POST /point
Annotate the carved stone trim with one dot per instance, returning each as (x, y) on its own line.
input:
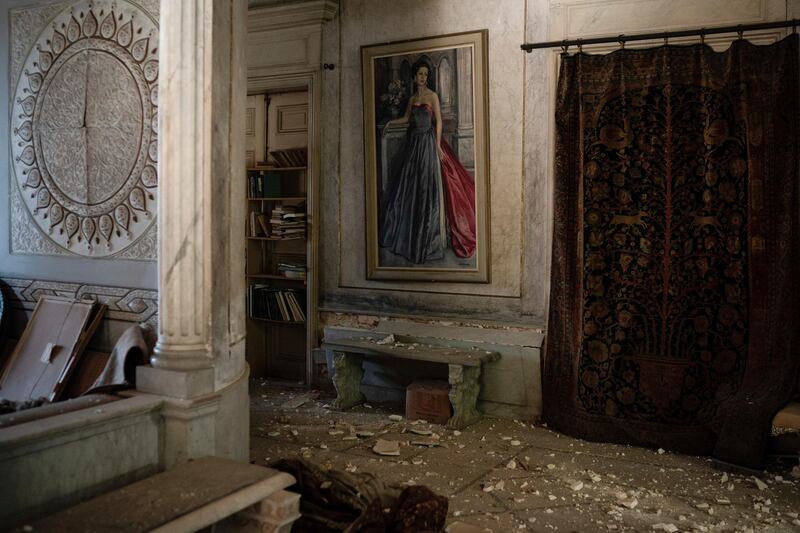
(125, 304)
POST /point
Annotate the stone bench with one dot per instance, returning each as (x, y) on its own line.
(231, 496)
(464, 370)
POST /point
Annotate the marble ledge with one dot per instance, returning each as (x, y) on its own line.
(60, 429)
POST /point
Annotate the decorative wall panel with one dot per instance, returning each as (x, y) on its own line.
(129, 305)
(84, 117)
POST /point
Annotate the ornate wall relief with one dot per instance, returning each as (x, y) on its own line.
(84, 121)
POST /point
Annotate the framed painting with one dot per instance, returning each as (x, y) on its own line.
(426, 146)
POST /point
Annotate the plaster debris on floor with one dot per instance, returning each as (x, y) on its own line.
(508, 475)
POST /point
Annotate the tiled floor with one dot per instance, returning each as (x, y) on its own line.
(503, 475)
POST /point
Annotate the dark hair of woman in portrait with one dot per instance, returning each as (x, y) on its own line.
(431, 196)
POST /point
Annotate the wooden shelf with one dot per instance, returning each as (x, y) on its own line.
(275, 276)
(276, 169)
(286, 322)
(275, 239)
(277, 198)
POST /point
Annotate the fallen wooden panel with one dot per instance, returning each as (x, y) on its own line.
(49, 348)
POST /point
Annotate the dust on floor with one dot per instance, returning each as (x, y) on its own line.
(506, 475)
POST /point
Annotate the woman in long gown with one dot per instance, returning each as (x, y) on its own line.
(431, 197)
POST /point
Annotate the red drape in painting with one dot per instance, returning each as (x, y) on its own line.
(675, 303)
(459, 190)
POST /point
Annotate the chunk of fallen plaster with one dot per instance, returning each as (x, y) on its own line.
(395, 418)
(418, 431)
(428, 443)
(760, 484)
(578, 485)
(631, 503)
(389, 339)
(386, 447)
(669, 528)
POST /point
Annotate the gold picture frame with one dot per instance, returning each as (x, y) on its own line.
(426, 155)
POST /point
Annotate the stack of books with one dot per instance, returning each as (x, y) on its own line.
(288, 222)
(292, 269)
(284, 305)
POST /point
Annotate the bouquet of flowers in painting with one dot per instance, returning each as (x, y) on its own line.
(394, 97)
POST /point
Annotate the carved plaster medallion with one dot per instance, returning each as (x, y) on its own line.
(84, 125)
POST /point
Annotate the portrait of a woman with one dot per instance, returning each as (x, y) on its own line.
(426, 145)
(430, 205)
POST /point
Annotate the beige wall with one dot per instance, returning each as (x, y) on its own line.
(363, 22)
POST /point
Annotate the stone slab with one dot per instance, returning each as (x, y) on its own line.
(420, 352)
(165, 497)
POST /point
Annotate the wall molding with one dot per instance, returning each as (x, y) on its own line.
(276, 17)
(124, 304)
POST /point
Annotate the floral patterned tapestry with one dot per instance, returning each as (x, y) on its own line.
(674, 292)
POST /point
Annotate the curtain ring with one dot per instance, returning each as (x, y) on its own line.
(580, 46)
(702, 36)
(666, 38)
(740, 32)
(621, 40)
(564, 47)
(794, 28)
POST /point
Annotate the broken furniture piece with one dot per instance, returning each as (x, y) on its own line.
(464, 370)
(191, 496)
(49, 349)
(333, 500)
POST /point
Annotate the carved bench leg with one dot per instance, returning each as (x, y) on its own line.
(347, 376)
(464, 389)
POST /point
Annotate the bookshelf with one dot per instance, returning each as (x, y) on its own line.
(277, 268)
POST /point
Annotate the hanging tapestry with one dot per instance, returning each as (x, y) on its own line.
(674, 294)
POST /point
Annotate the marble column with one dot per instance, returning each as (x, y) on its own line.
(200, 348)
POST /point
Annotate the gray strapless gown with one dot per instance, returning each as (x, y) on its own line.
(413, 220)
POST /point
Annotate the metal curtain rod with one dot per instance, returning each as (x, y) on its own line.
(740, 29)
